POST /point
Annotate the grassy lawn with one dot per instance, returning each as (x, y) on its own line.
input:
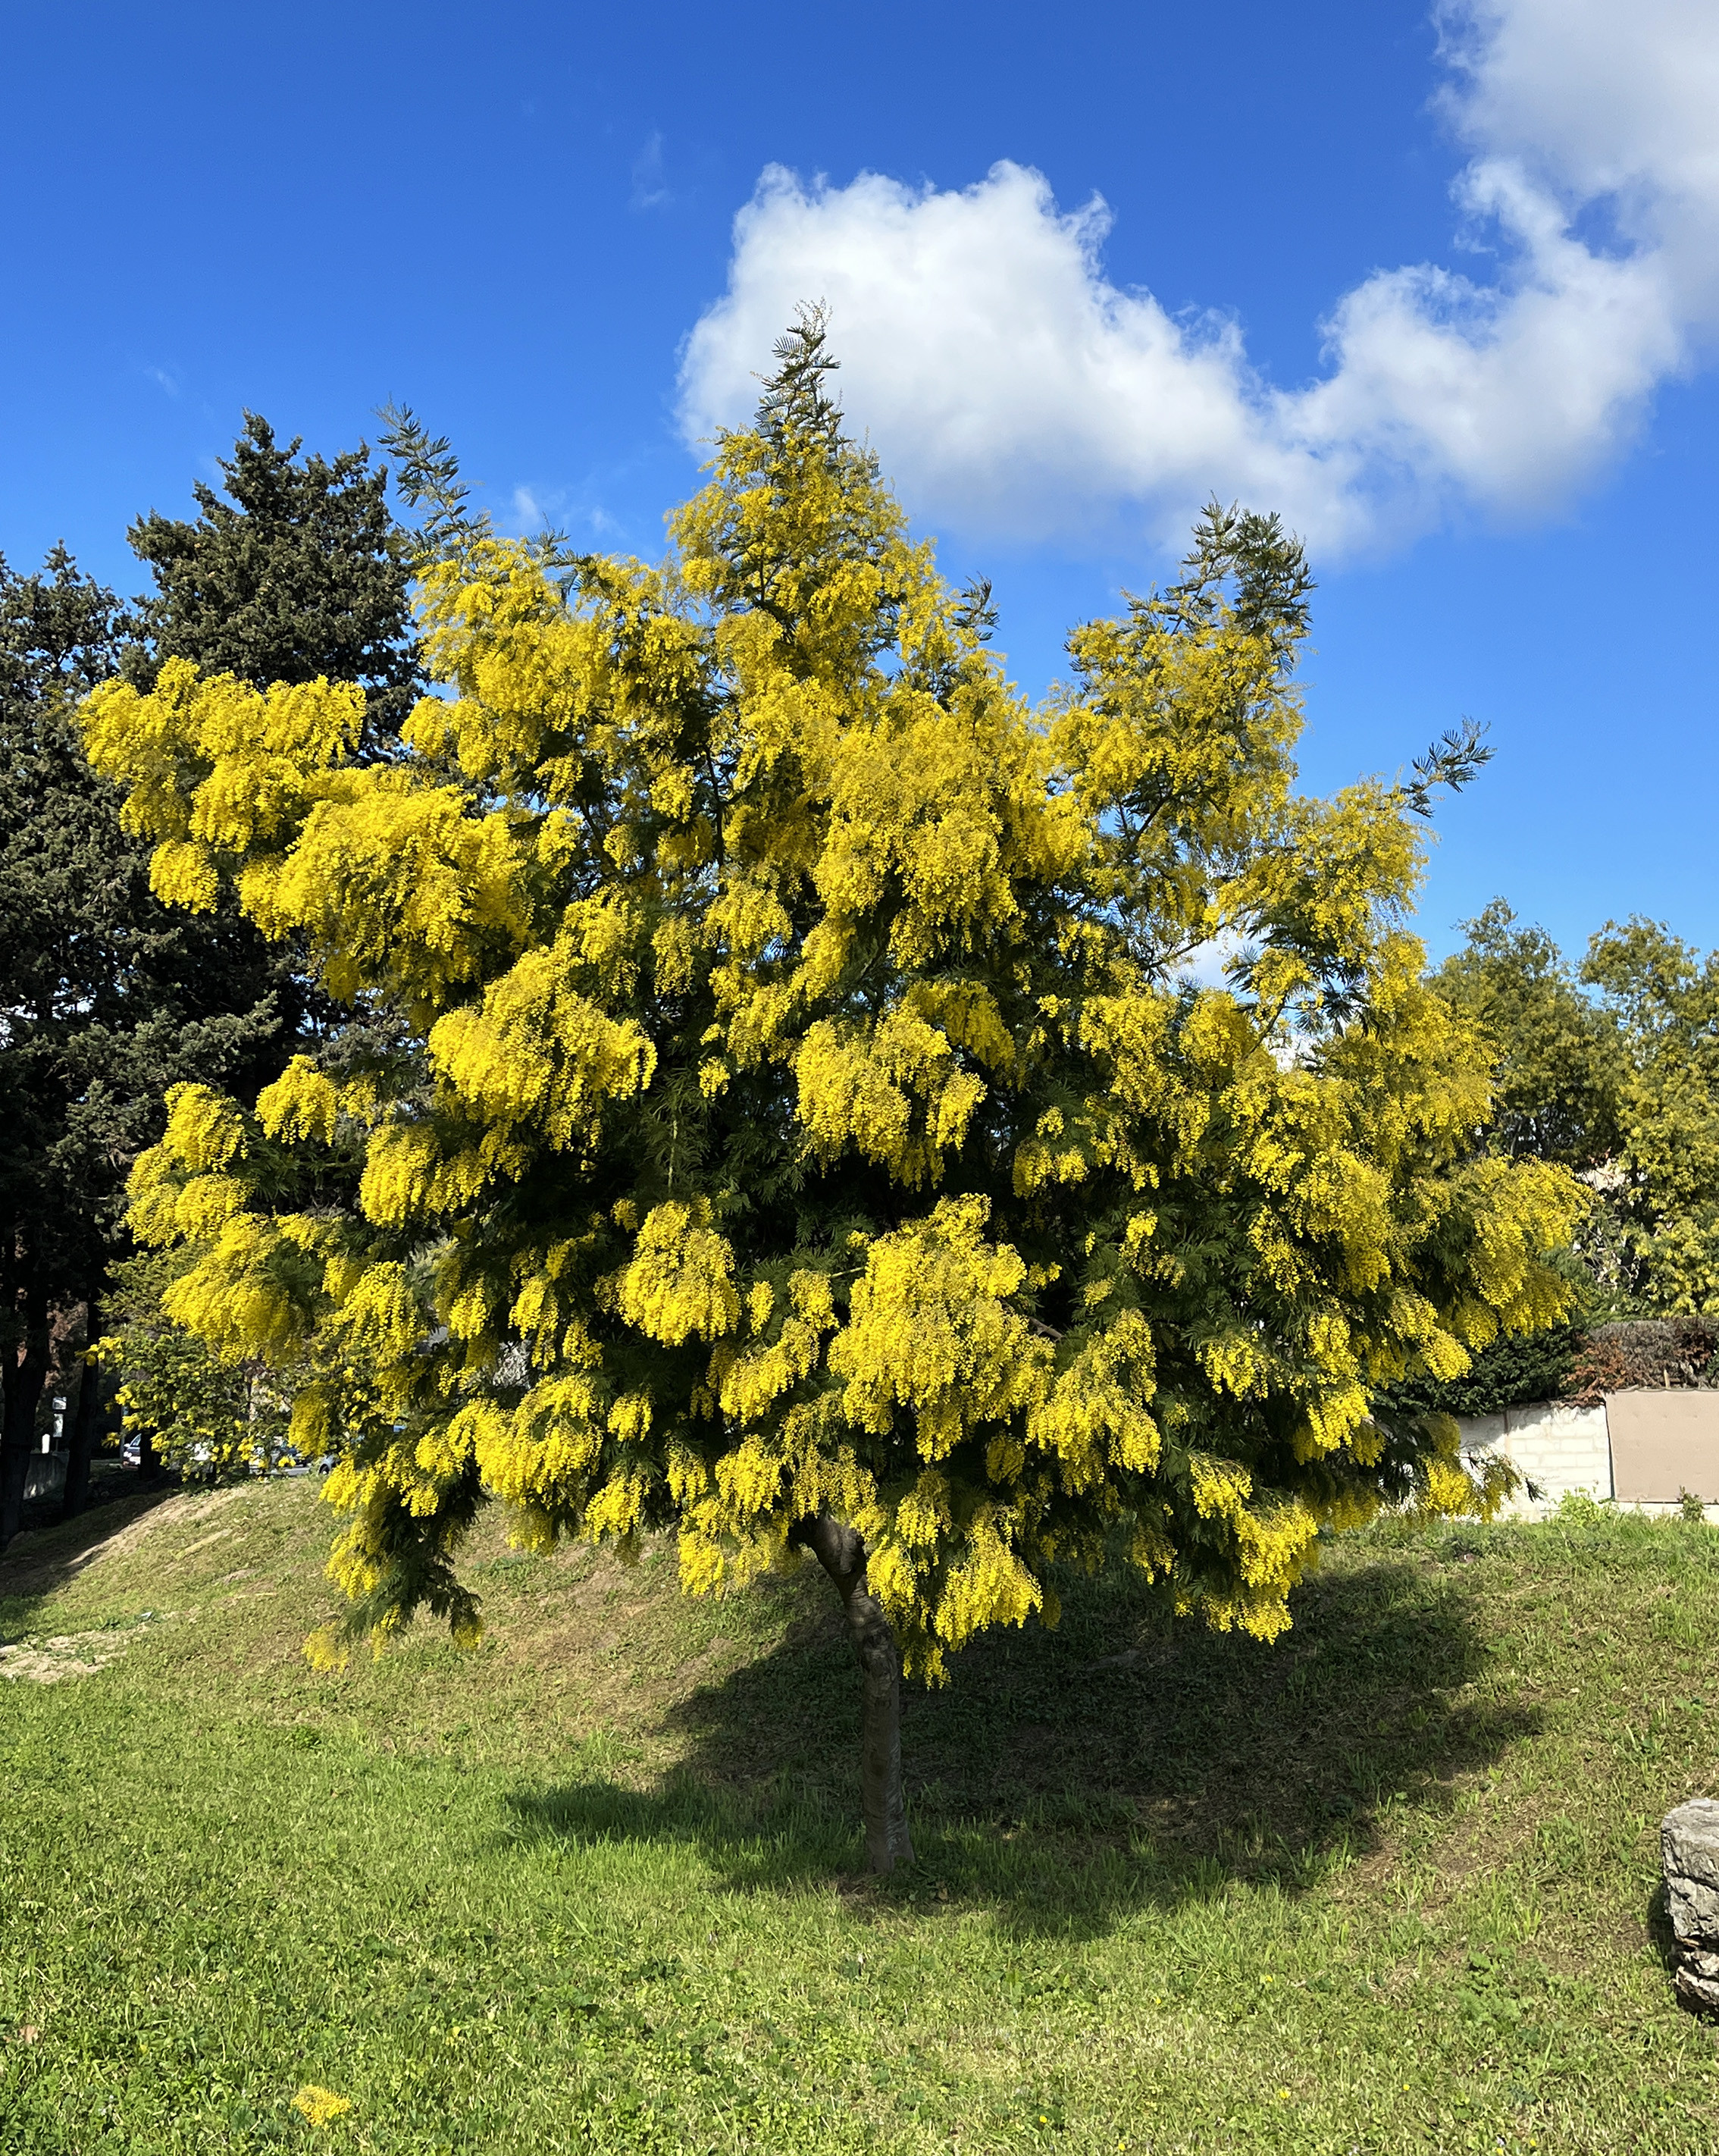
(1388, 1886)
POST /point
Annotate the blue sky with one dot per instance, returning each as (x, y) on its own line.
(522, 221)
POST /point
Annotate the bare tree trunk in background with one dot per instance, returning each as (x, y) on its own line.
(86, 1420)
(25, 1368)
(839, 1550)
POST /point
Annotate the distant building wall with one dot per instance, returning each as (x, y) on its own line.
(1643, 1448)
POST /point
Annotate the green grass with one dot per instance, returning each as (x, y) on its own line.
(1388, 1886)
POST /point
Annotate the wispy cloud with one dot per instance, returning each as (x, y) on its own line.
(536, 509)
(1013, 388)
(650, 186)
(528, 512)
(166, 383)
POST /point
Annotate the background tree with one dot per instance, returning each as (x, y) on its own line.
(212, 1418)
(797, 1129)
(1614, 1071)
(106, 997)
(299, 573)
(1664, 997)
(1562, 1064)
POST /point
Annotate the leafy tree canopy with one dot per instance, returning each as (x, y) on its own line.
(799, 1126)
(1612, 1069)
(1664, 997)
(1561, 1063)
(210, 1416)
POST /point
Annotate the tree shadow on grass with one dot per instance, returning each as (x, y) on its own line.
(1119, 1761)
(48, 1553)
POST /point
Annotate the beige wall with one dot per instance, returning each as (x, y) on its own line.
(1663, 1443)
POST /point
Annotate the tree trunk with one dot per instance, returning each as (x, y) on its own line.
(25, 1373)
(149, 1461)
(839, 1550)
(86, 1420)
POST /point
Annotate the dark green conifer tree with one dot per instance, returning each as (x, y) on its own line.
(301, 571)
(105, 998)
(296, 569)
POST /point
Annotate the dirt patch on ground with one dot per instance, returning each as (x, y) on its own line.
(70, 1655)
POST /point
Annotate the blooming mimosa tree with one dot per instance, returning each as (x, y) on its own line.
(783, 1114)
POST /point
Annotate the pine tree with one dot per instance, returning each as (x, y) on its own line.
(299, 573)
(106, 997)
(296, 572)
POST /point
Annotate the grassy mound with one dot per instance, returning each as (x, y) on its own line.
(1388, 1886)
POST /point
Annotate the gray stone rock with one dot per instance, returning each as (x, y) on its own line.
(1689, 1843)
(1694, 1990)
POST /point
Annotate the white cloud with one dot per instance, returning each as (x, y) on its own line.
(1013, 389)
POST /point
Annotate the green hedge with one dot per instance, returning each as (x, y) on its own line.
(1517, 1368)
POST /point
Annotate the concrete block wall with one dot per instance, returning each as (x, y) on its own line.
(1559, 1449)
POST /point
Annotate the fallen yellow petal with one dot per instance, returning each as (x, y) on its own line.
(322, 2107)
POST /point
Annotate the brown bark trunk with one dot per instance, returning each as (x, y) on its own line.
(86, 1420)
(26, 1372)
(839, 1550)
